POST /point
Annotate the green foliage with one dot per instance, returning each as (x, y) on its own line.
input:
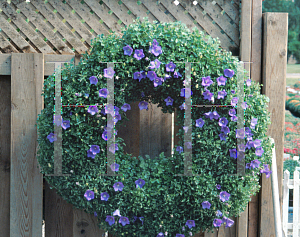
(163, 194)
(290, 165)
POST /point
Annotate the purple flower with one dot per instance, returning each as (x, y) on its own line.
(142, 94)
(104, 196)
(228, 222)
(208, 95)
(103, 92)
(254, 121)
(114, 167)
(218, 213)
(124, 220)
(90, 154)
(232, 112)
(109, 72)
(209, 115)
(244, 105)
(158, 81)
(206, 81)
(95, 214)
(190, 223)
(249, 144)
(221, 81)
(177, 75)
(266, 170)
(117, 213)
(217, 222)
(160, 234)
(167, 77)
(223, 122)
(240, 133)
(151, 75)
(113, 148)
(94, 149)
(118, 186)
(57, 119)
(138, 54)
(234, 101)
(225, 129)
(93, 80)
(110, 220)
(179, 149)
(52, 137)
(259, 151)
(257, 143)
(170, 67)
(138, 75)
(228, 73)
(222, 136)
(143, 105)
(234, 118)
(140, 183)
(248, 132)
(248, 82)
(241, 147)
(89, 195)
(218, 186)
(182, 106)
(154, 64)
(92, 109)
(199, 122)
(224, 196)
(179, 235)
(233, 91)
(65, 124)
(126, 107)
(110, 109)
(156, 50)
(222, 94)
(127, 50)
(188, 145)
(206, 204)
(255, 164)
(188, 94)
(106, 135)
(233, 153)
(215, 115)
(169, 101)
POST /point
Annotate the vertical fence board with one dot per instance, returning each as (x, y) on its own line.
(26, 181)
(5, 110)
(275, 28)
(285, 208)
(253, 216)
(296, 203)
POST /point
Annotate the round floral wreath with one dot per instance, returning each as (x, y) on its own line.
(149, 200)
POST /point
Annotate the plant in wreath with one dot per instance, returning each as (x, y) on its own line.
(149, 199)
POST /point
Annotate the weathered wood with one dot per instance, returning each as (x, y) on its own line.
(242, 224)
(210, 234)
(26, 181)
(275, 28)
(84, 11)
(253, 216)
(285, 201)
(5, 64)
(5, 128)
(5, 46)
(139, 10)
(65, 11)
(47, 11)
(32, 35)
(256, 40)
(39, 22)
(232, 10)
(296, 203)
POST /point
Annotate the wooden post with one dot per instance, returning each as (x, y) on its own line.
(26, 190)
(275, 30)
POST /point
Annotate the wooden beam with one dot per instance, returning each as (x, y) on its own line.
(275, 32)
(26, 190)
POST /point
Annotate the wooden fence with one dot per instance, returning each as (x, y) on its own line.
(38, 32)
(291, 229)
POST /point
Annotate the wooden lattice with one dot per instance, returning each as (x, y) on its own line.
(68, 26)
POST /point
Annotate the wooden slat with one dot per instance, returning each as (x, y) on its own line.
(120, 11)
(242, 224)
(15, 36)
(5, 46)
(256, 40)
(29, 11)
(285, 201)
(31, 34)
(5, 126)
(206, 23)
(45, 9)
(222, 20)
(84, 11)
(155, 132)
(5, 64)
(139, 10)
(65, 11)
(26, 181)
(296, 203)
(210, 234)
(274, 81)
(102, 12)
(232, 10)
(253, 216)
(229, 231)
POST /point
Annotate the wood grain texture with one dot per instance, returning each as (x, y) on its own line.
(47, 11)
(29, 11)
(139, 10)
(26, 181)
(253, 216)
(5, 126)
(20, 22)
(242, 224)
(275, 28)
(210, 234)
(5, 64)
(256, 40)
(5, 46)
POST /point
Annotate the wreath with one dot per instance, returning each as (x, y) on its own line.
(148, 199)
